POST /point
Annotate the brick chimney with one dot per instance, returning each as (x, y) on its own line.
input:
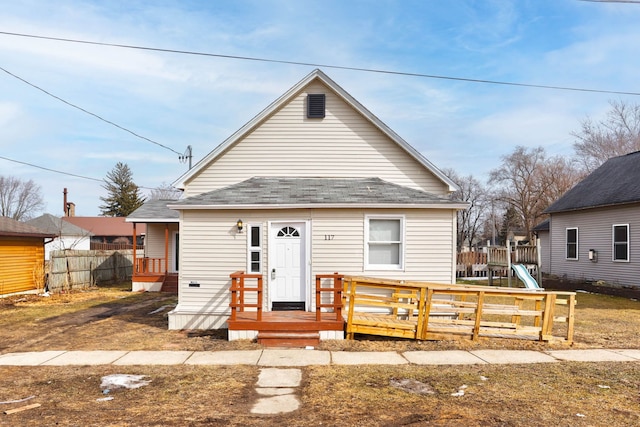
(69, 207)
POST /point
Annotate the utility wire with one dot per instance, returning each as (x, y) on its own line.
(62, 173)
(317, 65)
(612, 1)
(89, 112)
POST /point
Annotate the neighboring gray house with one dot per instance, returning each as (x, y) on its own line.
(594, 231)
(542, 234)
(68, 236)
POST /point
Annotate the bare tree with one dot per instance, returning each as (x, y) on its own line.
(528, 182)
(19, 200)
(616, 135)
(469, 220)
(164, 192)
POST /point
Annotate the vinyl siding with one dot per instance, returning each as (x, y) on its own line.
(18, 259)
(595, 232)
(343, 144)
(212, 249)
(67, 242)
(154, 242)
(545, 255)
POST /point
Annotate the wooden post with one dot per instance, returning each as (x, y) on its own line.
(476, 326)
(166, 248)
(135, 259)
(508, 264)
(570, 317)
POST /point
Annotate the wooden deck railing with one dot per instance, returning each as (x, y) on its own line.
(150, 266)
(429, 311)
(332, 301)
(238, 298)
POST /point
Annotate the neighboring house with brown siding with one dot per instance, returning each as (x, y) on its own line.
(21, 255)
(320, 185)
(594, 228)
(107, 230)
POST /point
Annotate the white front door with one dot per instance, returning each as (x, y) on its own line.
(287, 265)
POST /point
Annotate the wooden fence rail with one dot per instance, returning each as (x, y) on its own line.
(429, 311)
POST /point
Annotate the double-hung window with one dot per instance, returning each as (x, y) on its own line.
(572, 243)
(254, 249)
(621, 242)
(384, 243)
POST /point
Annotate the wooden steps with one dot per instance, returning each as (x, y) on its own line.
(288, 338)
(170, 284)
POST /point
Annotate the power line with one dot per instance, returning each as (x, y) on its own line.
(318, 65)
(89, 112)
(612, 1)
(61, 172)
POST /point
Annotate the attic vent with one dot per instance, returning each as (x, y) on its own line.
(315, 105)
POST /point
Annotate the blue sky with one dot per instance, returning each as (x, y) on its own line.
(181, 100)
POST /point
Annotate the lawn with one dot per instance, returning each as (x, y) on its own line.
(558, 394)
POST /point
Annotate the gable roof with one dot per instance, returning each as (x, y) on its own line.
(616, 182)
(11, 228)
(104, 225)
(155, 211)
(55, 225)
(279, 193)
(285, 98)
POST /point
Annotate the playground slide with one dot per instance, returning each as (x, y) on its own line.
(524, 275)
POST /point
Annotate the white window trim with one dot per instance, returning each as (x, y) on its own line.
(613, 243)
(566, 243)
(384, 267)
(251, 249)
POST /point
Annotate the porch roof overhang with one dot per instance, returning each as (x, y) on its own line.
(319, 193)
(155, 211)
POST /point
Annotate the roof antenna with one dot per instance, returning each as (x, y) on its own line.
(186, 156)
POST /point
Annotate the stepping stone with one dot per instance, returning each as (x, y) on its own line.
(276, 404)
(273, 377)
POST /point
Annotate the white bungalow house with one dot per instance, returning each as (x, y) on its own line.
(314, 184)
(594, 228)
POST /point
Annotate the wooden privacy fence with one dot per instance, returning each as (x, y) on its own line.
(430, 311)
(71, 269)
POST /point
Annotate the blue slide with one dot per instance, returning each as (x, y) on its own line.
(524, 275)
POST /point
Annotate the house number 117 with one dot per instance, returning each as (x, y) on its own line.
(329, 236)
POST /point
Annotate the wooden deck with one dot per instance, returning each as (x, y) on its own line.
(415, 310)
(295, 328)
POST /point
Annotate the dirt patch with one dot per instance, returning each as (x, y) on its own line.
(560, 284)
(564, 393)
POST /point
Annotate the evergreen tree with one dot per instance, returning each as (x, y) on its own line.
(123, 194)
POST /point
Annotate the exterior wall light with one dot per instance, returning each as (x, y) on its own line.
(239, 225)
(593, 255)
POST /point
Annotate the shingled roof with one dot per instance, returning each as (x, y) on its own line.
(280, 192)
(616, 182)
(55, 225)
(154, 211)
(12, 228)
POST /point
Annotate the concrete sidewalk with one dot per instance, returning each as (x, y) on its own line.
(302, 357)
